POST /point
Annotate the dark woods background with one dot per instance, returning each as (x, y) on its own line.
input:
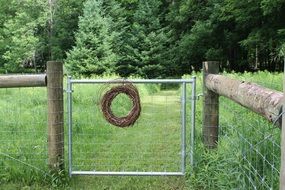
(148, 38)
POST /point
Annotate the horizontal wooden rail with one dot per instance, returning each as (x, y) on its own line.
(263, 101)
(15, 81)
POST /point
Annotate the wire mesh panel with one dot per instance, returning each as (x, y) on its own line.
(154, 145)
(23, 135)
(253, 141)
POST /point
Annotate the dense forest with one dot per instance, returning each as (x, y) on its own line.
(148, 38)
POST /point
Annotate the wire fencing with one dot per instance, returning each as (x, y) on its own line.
(153, 145)
(23, 133)
(252, 141)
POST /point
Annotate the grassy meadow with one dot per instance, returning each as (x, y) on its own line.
(247, 157)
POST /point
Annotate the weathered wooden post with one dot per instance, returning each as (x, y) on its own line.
(55, 115)
(282, 169)
(210, 108)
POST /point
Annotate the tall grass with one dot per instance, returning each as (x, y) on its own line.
(23, 137)
(248, 153)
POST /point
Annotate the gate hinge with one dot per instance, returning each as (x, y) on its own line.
(198, 96)
(68, 91)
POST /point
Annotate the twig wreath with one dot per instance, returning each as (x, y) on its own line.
(106, 102)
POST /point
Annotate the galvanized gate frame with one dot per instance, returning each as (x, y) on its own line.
(192, 99)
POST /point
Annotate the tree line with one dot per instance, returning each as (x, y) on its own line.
(148, 38)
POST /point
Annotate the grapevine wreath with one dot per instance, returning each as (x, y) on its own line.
(106, 102)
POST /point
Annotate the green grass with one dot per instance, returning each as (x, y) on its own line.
(225, 167)
(152, 144)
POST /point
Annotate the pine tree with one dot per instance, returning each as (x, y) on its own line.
(144, 42)
(93, 52)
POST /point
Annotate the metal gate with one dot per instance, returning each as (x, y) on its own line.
(154, 145)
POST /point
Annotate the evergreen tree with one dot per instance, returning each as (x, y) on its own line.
(145, 41)
(93, 52)
(150, 38)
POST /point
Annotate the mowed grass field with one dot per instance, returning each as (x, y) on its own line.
(152, 144)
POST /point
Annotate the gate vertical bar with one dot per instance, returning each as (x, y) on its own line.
(193, 122)
(183, 131)
(69, 108)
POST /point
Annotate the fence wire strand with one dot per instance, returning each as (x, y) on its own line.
(23, 133)
(254, 141)
(152, 144)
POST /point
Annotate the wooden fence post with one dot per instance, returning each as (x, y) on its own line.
(282, 169)
(55, 115)
(210, 108)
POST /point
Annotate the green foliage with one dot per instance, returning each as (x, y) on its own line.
(24, 33)
(217, 169)
(149, 38)
(214, 54)
(282, 50)
(145, 42)
(93, 53)
(192, 48)
(271, 6)
(19, 33)
(66, 16)
(225, 167)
